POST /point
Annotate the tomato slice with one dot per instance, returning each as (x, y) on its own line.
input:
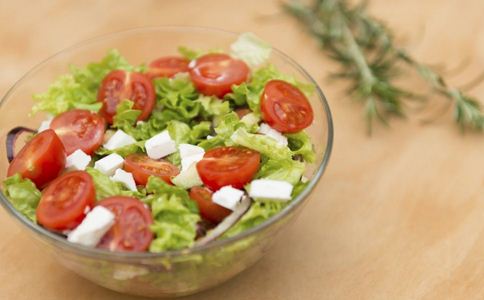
(119, 85)
(41, 160)
(143, 167)
(284, 107)
(228, 166)
(167, 66)
(131, 230)
(209, 210)
(79, 129)
(64, 201)
(214, 74)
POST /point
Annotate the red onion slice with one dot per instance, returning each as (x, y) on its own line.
(227, 223)
(12, 136)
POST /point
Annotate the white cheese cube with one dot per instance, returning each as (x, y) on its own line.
(118, 140)
(189, 150)
(190, 154)
(44, 125)
(209, 137)
(227, 197)
(160, 145)
(77, 160)
(93, 227)
(272, 133)
(125, 178)
(270, 189)
(107, 165)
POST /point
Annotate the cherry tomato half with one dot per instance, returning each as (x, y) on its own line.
(284, 107)
(167, 66)
(64, 201)
(143, 167)
(41, 160)
(119, 85)
(228, 166)
(214, 74)
(79, 129)
(209, 210)
(131, 229)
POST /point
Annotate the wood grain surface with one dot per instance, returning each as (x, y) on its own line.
(399, 215)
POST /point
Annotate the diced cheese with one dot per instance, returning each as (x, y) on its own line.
(270, 189)
(272, 133)
(118, 140)
(77, 160)
(44, 125)
(190, 154)
(108, 164)
(93, 227)
(189, 150)
(125, 178)
(227, 197)
(160, 145)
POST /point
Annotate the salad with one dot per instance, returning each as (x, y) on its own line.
(179, 152)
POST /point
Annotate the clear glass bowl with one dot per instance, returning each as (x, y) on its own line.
(172, 273)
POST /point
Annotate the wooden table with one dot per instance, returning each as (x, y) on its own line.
(399, 215)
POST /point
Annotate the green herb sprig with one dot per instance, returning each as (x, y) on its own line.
(365, 49)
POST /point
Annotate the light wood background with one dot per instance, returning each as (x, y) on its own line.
(399, 215)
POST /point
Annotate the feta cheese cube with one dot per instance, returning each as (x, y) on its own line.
(108, 164)
(44, 125)
(227, 197)
(93, 227)
(189, 150)
(77, 160)
(270, 189)
(125, 178)
(272, 133)
(118, 140)
(160, 145)
(190, 154)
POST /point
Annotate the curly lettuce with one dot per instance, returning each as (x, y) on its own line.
(105, 187)
(78, 89)
(175, 216)
(23, 194)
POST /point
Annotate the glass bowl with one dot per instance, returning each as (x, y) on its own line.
(171, 273)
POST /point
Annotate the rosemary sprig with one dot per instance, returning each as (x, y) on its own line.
(370, 60)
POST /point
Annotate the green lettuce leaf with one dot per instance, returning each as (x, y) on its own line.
(251, 49)
(261, 143)
(300, 144)
(123, 151)
(125, 115)
(175, 216)
(249, 92)
(179, 132)
(259, 212)
(282, 169)
(178, 94)
(23, 194)
(105, 187)
(78, 89)
(212, 106)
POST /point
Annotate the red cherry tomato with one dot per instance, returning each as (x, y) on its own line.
(41, 160)
(79, 129)
(167, 66)
(131, 230)
(209, 210)
(119, 85)
(64, 201)
(284, 107)
(228, 166)
(214, 74)
(143, 167)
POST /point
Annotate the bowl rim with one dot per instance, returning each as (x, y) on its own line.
(103, 254)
